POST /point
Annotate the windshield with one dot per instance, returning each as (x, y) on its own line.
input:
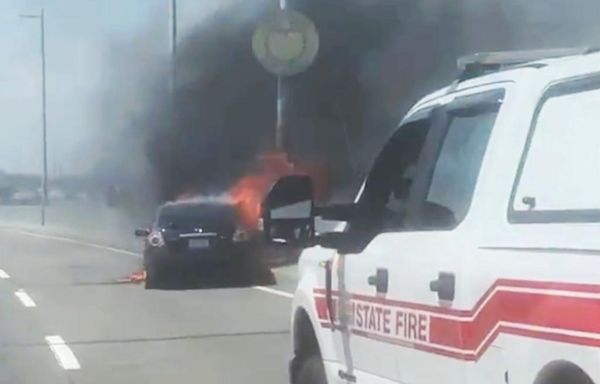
(300, 191)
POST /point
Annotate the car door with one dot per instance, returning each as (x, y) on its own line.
(368, 357)
(399, 290)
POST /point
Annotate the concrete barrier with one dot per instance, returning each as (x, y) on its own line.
(86, 221)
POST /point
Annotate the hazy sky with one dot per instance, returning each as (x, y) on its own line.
(80, 35)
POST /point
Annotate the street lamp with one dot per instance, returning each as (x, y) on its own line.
(173, 44)
(285, 43)
(44, 134)
(281, 100)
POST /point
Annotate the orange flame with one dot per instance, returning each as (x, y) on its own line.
(249, 192)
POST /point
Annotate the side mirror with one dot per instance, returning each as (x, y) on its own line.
(343, 242)
(288, 211)
(142, 232)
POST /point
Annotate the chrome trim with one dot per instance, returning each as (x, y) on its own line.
(202, 234)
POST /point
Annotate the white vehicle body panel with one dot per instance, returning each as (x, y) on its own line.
(519, 286)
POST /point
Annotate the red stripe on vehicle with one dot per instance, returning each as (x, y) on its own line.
(321, 307)
(550, 311)
(468, 333)
(545, 285)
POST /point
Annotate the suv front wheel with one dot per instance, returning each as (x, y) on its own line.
(311, 371)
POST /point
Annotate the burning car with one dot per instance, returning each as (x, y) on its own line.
(195, 233)
(202, 237)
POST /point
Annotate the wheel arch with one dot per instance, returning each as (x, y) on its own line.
(304, 336)
(562, 371)
(305, 341)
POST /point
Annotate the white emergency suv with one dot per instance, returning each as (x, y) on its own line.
(472, 252)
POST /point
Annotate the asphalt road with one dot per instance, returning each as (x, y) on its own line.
(65, 318)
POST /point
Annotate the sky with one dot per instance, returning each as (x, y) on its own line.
(81, 36)
(100, 52)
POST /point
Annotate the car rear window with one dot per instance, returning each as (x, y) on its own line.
(194, 214)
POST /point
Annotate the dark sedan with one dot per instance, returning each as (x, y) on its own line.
(201, 238)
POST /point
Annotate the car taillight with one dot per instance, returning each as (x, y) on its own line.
(155, 239)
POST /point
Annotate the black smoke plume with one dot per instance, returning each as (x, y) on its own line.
(376, 58)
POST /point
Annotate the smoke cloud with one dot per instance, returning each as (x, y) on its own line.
(376, 58)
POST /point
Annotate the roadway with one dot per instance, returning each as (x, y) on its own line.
(66, 318)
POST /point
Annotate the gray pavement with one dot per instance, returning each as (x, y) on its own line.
(121, 333)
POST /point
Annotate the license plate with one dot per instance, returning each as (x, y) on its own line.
(198, 243)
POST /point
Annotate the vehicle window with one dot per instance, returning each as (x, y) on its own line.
(388, 185)
(185, 215)
(457, 167)
(402, 167)
(562, 164)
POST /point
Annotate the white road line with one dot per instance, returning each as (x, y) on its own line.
(3, 274)
(78, 242)
(274, 291)
(64, 355)
(25, 298)
(122, 251)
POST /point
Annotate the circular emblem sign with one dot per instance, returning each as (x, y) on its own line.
(286, 43)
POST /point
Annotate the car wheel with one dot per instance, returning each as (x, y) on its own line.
(311, 371)
(153, 278)
(562, 372)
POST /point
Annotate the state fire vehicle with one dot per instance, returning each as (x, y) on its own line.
(472, 251)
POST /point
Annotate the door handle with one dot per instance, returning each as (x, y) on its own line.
(444, 285)
(379, 280)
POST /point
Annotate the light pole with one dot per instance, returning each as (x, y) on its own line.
(173, 44)
(281, 100)
(286, 44)
(44, 132)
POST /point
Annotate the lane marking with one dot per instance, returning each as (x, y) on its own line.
(3, 274)
(124, 252)
(274, 291)
(25, 298)
(63, 354)
(78, 242)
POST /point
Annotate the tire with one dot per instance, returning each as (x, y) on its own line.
(311, 371)
(154, 279)
(562, 372)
